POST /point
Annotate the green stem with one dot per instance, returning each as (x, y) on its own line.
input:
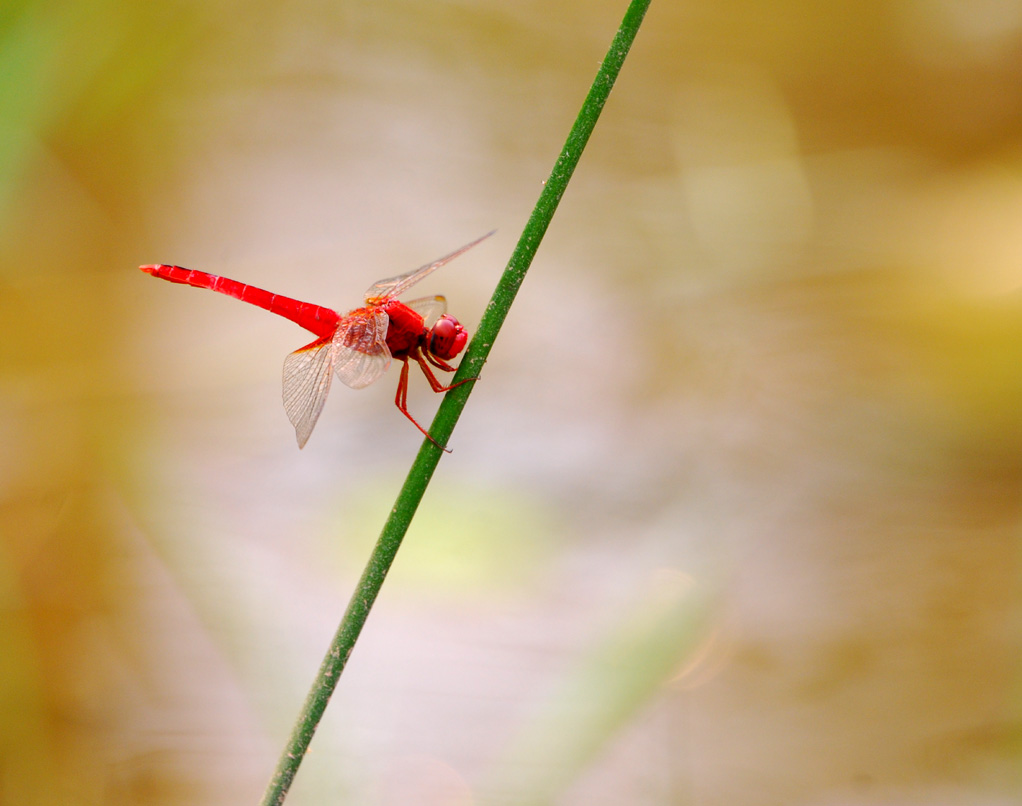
(450, 410)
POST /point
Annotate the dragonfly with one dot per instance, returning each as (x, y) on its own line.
(357, 346)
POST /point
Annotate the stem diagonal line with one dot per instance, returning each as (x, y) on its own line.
(450, 410)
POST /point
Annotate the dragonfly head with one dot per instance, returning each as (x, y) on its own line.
(447, 337)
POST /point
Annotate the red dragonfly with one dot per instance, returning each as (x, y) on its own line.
(359, 345)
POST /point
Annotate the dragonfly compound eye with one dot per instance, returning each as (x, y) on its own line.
(447, 337)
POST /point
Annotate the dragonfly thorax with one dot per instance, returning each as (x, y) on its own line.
(407, 333)
(405, 329)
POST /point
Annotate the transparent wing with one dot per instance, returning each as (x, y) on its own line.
(394, 286)
(429, 308)
(360, 344)
(307, 374)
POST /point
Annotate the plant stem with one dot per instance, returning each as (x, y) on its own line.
(450, 410)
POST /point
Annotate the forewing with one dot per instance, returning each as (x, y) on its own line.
(307, 374)
(429, 308)
(361, 348)
(394, 286)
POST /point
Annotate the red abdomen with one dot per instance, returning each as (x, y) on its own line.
(321, 321)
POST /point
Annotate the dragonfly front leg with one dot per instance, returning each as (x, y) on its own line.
(434, 382)
(439, 363)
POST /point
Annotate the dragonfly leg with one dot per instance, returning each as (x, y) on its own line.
(401, 401)
(434, 382)
(439, 363)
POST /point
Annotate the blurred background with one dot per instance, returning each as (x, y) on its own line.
(733, 516)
